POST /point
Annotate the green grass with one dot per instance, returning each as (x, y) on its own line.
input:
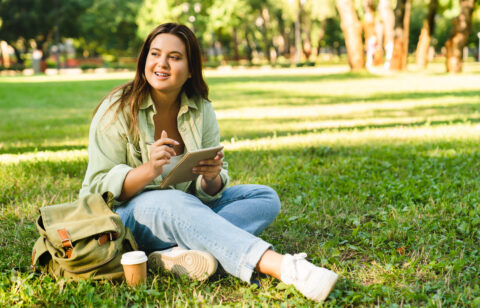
(379, 178)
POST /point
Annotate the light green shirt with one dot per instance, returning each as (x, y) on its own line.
(112, 151)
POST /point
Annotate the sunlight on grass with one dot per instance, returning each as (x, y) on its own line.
(57, 156)
(68, 77)
(350, 86)
(328, 138)
(359, 109)
(306, 124)
(358, 137)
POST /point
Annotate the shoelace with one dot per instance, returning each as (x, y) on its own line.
(291, 271)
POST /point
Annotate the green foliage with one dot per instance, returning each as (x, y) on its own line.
(418, 15)
(155, 12)
(39, 19)
(333, 34)
(378, 176)
(103, 32)
(240, 31)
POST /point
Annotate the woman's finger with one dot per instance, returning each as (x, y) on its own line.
(213, 170)
(162, 149)
(164, 140)
(210, 162)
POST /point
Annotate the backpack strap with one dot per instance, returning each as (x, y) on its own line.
(66, 242)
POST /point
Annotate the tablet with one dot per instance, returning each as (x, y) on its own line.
(182, 172)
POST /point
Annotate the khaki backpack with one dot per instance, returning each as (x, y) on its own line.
(83, 239)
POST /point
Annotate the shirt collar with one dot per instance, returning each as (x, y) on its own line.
(185, 103)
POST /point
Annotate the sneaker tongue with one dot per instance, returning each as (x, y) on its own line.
(300, 256)
(295, 268)
(288, 271)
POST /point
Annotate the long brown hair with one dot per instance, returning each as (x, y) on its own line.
(133, 93)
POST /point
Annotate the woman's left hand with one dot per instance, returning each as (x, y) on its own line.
(210, 168)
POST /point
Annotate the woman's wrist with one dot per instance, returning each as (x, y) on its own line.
(208, 180)
(212, 186)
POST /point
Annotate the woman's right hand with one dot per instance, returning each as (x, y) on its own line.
(160, 153)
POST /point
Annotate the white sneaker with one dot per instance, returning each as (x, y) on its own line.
(312, 281)
(195, 264)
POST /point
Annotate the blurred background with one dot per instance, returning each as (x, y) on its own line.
(41, 35)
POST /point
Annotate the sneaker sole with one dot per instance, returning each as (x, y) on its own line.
(195, 264)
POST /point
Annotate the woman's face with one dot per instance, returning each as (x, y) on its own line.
(166, 67)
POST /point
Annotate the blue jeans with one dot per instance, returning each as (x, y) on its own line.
(225, 228)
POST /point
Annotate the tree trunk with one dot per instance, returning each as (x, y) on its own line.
(369, 30)
(283, 37)
(352, 30)
(406, 32)
(266, 40)
(369, 19)
(426, 35)
(400, 39)
(306, 28)
(5, 56)
(388, 20)
(378, 55)
(462, 26)
(235, 45)
(298, 38)
(321, 35)
(250, 45)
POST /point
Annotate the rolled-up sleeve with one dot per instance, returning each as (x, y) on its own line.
(210, 138)
(107, 152)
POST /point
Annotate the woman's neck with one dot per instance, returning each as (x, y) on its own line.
(166, 102)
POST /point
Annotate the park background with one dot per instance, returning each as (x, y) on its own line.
(370, 137)
(90, 34)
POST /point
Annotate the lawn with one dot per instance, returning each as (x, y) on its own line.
(379, 178)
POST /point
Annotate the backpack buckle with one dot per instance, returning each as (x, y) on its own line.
(66, 242)
(105, 237)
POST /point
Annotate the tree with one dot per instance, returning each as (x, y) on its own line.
(262, 9)
(102, 31)
(352, 30)
(154, 12)
(400, 40)
(369, 30)
(462, 25)
(229, 16)
(43, 21)
(426, 35)
(189, 12)
(387, 18)
(320, 12)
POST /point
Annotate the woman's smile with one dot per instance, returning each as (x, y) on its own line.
(166, 67)
(162, 76)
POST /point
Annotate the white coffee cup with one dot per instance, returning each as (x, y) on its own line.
(135, 267)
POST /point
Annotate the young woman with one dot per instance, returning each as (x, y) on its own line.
(140, 131)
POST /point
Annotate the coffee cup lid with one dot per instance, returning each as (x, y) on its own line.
(133, 257)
